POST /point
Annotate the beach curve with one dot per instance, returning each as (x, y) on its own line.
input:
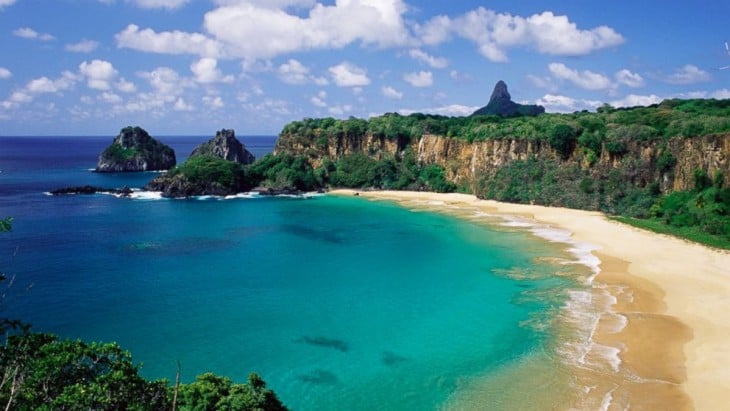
(670, 301)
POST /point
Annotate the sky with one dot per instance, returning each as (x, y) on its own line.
(191, 67)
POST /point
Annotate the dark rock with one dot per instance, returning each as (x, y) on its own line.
(87, 189)
(501, 104)
(269, 191)
(134, 150)
(225, 145)
(180, 186)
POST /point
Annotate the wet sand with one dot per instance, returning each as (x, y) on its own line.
(665, 308)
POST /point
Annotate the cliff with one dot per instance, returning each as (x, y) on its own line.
(225, 145)
(468, 163)
(134, 150)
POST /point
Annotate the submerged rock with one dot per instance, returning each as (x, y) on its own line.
(134, 150)
(225, 145)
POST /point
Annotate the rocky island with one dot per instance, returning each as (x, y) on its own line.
(135, 150)
(225, 145)
(215, 167)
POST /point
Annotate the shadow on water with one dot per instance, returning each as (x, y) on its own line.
(319, 377)
(311, 234)
(392, 359)
(184, 246)
(325, 342)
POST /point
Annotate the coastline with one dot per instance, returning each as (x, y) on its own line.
(669, 296)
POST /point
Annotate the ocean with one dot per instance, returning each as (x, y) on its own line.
(338, 302)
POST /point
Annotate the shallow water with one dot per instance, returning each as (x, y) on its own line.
(337, 302)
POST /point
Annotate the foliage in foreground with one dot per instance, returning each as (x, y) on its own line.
(39, 371)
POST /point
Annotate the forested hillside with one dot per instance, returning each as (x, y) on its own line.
(621, 161)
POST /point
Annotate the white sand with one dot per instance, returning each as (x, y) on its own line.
(694, 281)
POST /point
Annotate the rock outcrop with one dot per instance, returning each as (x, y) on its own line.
(225, 145)
(88, 190)
(501, 104)
(213, 168)
(134, 150)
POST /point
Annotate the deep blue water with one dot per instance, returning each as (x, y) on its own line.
(339, 303)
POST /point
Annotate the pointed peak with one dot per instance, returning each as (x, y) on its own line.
(500, 92)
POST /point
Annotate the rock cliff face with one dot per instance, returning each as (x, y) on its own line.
(466, 162)
(225, 145)
(134, 150)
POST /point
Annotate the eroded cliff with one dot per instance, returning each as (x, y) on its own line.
(671, 164)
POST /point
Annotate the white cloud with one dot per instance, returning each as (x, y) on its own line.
(99, 74)
(636, 100)
(6, 3)
(688, 74)
(181, 105)
(214, 102)
(30, 34)
(110, 97)
(340, 110)
(46, 85)
(541, 82)
(448, 110)
(390, 92)
(206, 71)
(493, 33)
(293, 72)
(630, 79)
(164, 80)
(167, 42)
(20, 97)
(258, 30)
(721, 94)
(435, 62)
(126, 86)
(563, 104)
(317, 101)
(83, 46)
(435, 31)
(349, 75)
(5, 73)
(585, 79)
(41, 85)
(420, 79)
(160, 4)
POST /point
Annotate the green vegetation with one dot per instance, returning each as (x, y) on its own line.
(39, 371)
(614, 127)
(702, 214)
(116, 152)
(401, 172)
(284, 171)
(206, 169)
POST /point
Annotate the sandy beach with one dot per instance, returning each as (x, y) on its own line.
(673, 295)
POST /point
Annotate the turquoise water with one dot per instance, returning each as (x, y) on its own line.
(338, 302)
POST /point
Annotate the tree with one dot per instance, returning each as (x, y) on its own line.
(562, 138)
